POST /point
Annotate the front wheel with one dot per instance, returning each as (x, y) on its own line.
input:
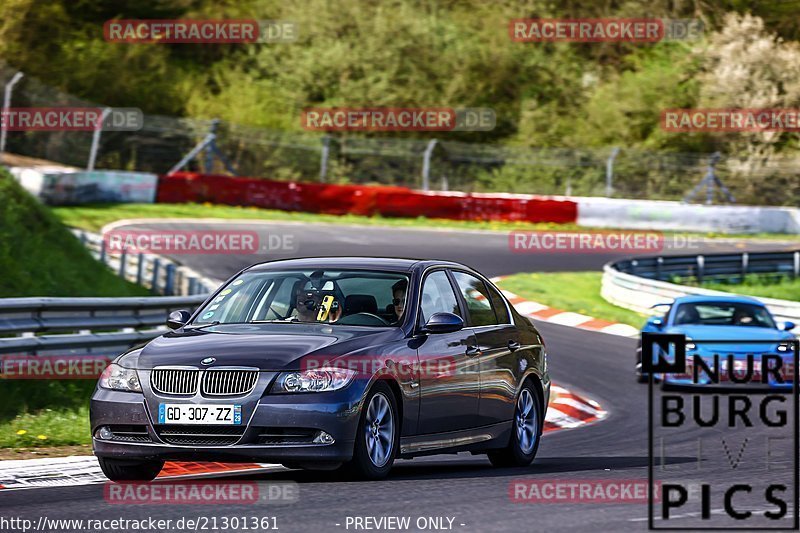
(525, 432)
(377, 437)
(124, 470)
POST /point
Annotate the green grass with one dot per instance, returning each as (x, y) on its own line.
(570, 291)
(40, 257)
(47, 428)
(784, 288)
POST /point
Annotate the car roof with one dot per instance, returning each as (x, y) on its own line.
(362, 263)
(709, 298)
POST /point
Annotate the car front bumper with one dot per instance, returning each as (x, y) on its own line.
(335, 413)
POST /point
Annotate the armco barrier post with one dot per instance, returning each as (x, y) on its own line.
(745, 261)
(154, 283)
(169, 282)
(102, 250)
(123, 260)
(796, 265)
(140, 268)
(701, 266)
(6, 104)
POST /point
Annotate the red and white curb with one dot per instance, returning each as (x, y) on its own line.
(85, 470)
(566, 411)
(544, 313)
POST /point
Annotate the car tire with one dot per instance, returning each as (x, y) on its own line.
(378, 427)
(640, 378)
(125, 470)
(526, 431)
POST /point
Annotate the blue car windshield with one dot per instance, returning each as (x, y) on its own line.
(346, 297)
(723, 314)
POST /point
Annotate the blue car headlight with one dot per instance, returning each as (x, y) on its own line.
(785, 347)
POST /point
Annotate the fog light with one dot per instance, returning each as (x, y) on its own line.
(104, 433)
(323, 438)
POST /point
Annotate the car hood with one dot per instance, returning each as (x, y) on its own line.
(732, 333)
(264, 346)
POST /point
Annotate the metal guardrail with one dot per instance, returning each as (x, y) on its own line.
(703, 267)
(160, 274)
(85, 323)
(638, 284)
(78, 326)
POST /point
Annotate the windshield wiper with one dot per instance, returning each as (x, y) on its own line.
(193, 327)
(287, 320)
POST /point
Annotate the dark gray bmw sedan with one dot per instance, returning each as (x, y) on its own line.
(326, 363)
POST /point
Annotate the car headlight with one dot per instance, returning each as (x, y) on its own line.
(317, 380)
(689, 344)
(116, 377)
(786, 347)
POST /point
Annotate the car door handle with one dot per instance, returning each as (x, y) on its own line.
(514, 346)
(472, 351)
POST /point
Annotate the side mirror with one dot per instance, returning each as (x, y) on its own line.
(443, 323)
(655, 322)
(788, 325)
(178, 319)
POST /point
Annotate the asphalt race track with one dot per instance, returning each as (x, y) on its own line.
(485, 251)
(463, 487)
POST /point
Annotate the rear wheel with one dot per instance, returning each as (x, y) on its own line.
(377, 437)
(124, 470)
(526, 431)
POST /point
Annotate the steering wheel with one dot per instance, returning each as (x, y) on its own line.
(362, 319)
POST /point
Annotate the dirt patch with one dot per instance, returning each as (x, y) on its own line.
(7, 454)
(15, 160)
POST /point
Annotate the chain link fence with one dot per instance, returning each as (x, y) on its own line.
(412, 162)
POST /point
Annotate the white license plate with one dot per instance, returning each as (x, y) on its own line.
(212, 415)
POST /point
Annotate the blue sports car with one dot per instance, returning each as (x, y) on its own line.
(739, 324)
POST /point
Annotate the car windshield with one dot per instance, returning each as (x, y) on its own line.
(346, 297)
(724, 314)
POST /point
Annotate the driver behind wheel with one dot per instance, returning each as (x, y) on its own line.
(315, 304)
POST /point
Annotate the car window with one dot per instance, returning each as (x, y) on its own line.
(479, 301)
(724, 314)
(437, 296)
(499, 305)
(354, 297)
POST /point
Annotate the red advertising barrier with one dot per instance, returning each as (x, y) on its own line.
(361, 200)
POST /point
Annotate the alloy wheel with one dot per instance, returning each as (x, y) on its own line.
(379, 430)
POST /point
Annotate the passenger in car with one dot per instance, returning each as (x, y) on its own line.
(399, 298)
